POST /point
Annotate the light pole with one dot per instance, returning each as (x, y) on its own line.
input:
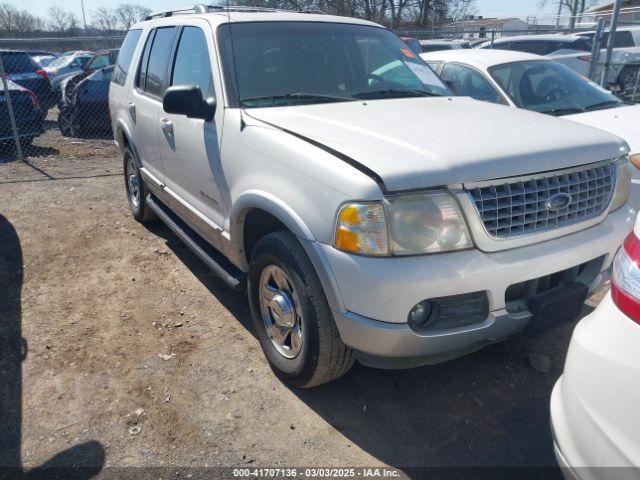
(84, 16)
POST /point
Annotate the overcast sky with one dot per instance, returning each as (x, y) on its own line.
(487, 8)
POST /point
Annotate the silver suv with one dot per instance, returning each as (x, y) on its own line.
(319, 163)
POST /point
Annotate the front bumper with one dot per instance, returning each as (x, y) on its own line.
(371, 297)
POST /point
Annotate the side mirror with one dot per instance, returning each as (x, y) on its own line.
(187, 100)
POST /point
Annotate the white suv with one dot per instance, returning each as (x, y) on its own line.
(322, 164)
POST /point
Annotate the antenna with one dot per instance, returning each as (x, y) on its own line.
(235, 68)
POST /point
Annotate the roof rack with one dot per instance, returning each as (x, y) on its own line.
(200, 8)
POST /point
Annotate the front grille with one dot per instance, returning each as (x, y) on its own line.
(520, 207)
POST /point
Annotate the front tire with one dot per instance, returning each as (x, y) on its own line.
(136, 191)
(291, 315)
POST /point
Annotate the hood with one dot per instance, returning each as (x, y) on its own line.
(427, 142)
(623, 122)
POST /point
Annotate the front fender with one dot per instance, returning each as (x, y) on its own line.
(270, 204)
(283, 212)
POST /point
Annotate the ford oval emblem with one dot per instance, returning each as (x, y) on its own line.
(558, 201)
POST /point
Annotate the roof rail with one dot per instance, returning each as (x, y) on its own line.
(202, 8)
(195, 8)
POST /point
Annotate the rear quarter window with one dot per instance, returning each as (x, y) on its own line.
(18, 62)
(125, 56)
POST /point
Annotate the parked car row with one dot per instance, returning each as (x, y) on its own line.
(78, 82)
(572, 50)
(370, 213)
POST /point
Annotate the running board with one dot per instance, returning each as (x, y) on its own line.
(218, 264)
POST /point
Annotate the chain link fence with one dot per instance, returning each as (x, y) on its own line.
(54, 91)
(583, 43)
(54, 96)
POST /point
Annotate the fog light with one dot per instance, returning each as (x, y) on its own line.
(422, 314)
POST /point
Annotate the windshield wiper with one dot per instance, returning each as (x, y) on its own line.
(312, 97)
(558, 112)
(602, 105)
(395, 93)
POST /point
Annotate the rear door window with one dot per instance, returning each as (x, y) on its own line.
(156, 65)
(467, 82)
(17, 62)
(125, 56)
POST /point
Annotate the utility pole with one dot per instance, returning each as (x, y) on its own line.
(559, 13)
(84, 16)
(574, 14)
(612, 35)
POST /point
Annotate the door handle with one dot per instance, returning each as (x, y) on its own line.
(132, 109)
(167, 126)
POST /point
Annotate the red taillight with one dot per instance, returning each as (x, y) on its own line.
(585, 58)
(42, 73)
(34, 98)
(625, 284)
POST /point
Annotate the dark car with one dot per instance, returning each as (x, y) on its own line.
(413, 43)
(99, 60)
(27, 114)
(84, 106)
(23, 70)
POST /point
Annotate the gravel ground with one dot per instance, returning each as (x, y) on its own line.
(123, 350)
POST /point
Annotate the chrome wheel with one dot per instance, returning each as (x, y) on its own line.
(280, 310)
(133, 183)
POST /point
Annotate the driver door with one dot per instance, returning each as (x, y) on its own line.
(190, 147)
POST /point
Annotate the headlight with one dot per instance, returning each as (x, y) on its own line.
(623, 182)
(426, 223)
(413, 225)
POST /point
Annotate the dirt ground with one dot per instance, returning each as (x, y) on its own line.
(122, 350)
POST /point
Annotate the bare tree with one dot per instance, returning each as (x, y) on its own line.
(12, 19)
(129, 13)
(105, 19)
(61, 20)
(25, 22)
(574, 8)
(7, 17)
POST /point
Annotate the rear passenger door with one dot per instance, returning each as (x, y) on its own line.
(468, 82)
(190, 147)
(145, 101)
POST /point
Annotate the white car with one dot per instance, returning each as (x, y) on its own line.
(539, 84)
(318, 163)
(572, 51)
(64, 66)
(595, 411)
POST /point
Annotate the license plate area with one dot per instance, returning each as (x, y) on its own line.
(558, 305)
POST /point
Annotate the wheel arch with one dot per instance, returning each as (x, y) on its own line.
(250, 207)
(123, 138)
(256, 205)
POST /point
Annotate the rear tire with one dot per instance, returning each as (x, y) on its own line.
(65, 123)
(136, 191)
(295, 327)
(627, 79)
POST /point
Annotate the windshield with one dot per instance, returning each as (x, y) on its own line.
(293, 63)
(550, 87)
(61, 62)
(100, 61)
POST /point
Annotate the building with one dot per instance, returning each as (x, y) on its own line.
(478, 27)
(630, 12)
